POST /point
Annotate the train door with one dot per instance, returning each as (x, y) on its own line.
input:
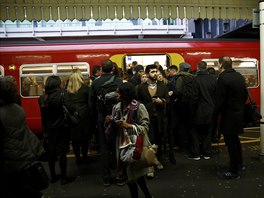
(165, 59)
(32, 81)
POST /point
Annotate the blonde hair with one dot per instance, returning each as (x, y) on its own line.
(75, 81)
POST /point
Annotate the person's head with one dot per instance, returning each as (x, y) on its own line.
(211, 70)
(202, 65)
(144, 78)
(184, 67)
(96, 71)
(53, 83)
(139, 69)
(8, 91)
(134, 64)
(151, 71)
(107, 66)
(225, 62)
(75, 81)
(172, 70)
(157, 64)
(126, 92)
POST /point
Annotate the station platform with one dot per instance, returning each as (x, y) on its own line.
(186, 179)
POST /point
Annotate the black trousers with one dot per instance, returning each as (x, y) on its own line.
(233, 144)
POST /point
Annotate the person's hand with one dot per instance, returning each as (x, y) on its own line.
(123, 124)
(157, 100)
(108, 118)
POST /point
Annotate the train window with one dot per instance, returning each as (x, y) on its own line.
(2, 71)
(248, 67)
(34, 76)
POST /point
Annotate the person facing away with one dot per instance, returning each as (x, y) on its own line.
(58, 132)
(154, 95)
(231, 95)
(203, 118)
(105, 145)
(78, 93)
(19, 147)
(138, 124)
(184, 105)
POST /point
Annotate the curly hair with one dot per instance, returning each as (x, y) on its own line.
(8, 91)
(127, 91)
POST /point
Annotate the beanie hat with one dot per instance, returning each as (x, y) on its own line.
(138, 68)
(184, 66)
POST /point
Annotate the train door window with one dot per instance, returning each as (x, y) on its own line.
(145, 60)
(248, 67)
(2, 71)
(34, 76)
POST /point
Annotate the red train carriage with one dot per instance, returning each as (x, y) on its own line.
(31, 63)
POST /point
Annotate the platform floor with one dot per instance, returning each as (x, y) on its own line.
(186, 179)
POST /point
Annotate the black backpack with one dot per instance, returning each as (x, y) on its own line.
(107, 97)
(189, 90)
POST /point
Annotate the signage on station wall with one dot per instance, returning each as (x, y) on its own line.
(255, 18)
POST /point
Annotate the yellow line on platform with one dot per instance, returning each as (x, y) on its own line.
(243, 142)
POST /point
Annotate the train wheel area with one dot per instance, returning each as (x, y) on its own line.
(188, 178)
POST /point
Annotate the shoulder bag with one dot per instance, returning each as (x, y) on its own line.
(251, 112)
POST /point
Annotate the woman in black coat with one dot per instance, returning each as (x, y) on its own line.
(230, 100)
(58, 132)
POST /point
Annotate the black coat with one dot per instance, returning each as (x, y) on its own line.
(231, 95)
(144, 96)
(206, 102)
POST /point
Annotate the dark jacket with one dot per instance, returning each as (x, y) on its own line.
(231, 95)
(19, 145)
(144, 96)
(81, 101)
(206, 102)
(96, 88)
(55, 116)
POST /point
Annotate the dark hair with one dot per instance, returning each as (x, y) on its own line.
(52, 84)
(107, 66)
(95, 69)
(127, 91)
(8, 91)
(149, 67)
(173, 67)
(202, 65)
(211, 70)
(226, 62)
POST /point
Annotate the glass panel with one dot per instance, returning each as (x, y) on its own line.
(2, 73)
(246, 66)
(33, 77)
(37, 69)
(147, 60)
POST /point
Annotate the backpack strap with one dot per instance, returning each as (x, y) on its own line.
(109, 81)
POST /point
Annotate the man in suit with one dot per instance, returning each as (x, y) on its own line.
(231, 95)
(154, 95)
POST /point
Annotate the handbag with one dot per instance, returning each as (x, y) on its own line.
(251, 112)
(36, 176)
(148, 156)
(72, 120)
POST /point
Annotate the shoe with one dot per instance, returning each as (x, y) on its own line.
(150, 173)
(160, 166)
(106, 182)
(242, 167)
(206, 157)
(120, 182)
(194, 157)
(228, 175)
(67, 180)
(172, 157)
(54, 178)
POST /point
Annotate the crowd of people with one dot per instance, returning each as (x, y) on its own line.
(176, 108)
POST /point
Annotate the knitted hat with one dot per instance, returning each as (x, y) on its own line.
(184, 66)
(138, 68)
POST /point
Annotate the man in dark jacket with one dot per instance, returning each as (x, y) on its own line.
(105, 146)
(204, 112)
(231, 96)
(154, 95)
